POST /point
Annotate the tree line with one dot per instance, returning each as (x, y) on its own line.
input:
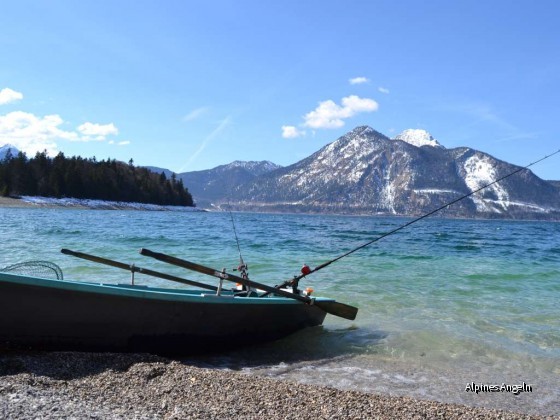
(77, 177)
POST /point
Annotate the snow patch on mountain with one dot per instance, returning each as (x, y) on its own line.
(254, 167)
(418, 138)
(435, 191)
(387, 197)
(480, 171)
(358, 172)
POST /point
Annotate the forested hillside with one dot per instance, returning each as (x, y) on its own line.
(88, 178)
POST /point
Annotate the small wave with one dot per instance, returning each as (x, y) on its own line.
(415, 257)
(466, 248)
(442, 236)
(59, 231)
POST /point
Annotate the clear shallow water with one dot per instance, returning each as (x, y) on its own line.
(442, 304)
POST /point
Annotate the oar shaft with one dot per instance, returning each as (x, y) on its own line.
(331, 307)
(226, 276)
(136, 269)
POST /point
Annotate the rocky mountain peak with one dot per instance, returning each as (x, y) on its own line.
(418, 138)
(362, 132)
(358, 142)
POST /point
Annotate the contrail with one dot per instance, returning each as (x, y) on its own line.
(223, 124)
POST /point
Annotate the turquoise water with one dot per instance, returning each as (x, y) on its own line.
(442, 303)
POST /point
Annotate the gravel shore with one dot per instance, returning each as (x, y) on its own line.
(118, 386)
(13, 202)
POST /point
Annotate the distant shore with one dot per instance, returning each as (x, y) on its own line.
(48, 202)
(104, 385)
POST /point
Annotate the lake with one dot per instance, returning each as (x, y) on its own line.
(442, 303)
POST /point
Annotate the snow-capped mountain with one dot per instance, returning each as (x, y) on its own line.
(255, 168)
(8, 147)
(366, 172)
(418, 138)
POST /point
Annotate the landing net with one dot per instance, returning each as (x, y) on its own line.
(43, 269)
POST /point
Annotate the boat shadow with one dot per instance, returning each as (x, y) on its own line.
(312, 344)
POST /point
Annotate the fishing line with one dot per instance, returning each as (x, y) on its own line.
(424, 216)
(236, 238)
(242, 268)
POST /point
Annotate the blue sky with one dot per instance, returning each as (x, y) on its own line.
(190, 85)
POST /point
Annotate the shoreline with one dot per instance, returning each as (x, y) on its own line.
(86, 204)
(90, 204)
(110, 385)
(14, 202)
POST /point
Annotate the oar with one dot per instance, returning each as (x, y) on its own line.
(334, 308)
(136, 269)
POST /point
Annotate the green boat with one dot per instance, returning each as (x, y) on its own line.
(57, 314)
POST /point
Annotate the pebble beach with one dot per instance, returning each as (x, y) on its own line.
(75, 385)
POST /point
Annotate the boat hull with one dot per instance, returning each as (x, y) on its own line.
(62, 315)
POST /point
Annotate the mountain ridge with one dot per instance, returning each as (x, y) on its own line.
(219, 183)
(366, 172)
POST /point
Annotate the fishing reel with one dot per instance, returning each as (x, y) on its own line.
(243, 269)
(241, 289)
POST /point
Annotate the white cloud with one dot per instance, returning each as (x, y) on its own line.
(331, 115)
(96, 132)
(291, 132)
(358, 80)
(354, 104)
(383, 90)
(32, 134)
(120, 143)
(8, 95)
(195, 113)
(326, 115)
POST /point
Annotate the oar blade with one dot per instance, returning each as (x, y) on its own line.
(338, 309)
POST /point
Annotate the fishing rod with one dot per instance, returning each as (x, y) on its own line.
(307, 271)
(236, 239)
(242, 268)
